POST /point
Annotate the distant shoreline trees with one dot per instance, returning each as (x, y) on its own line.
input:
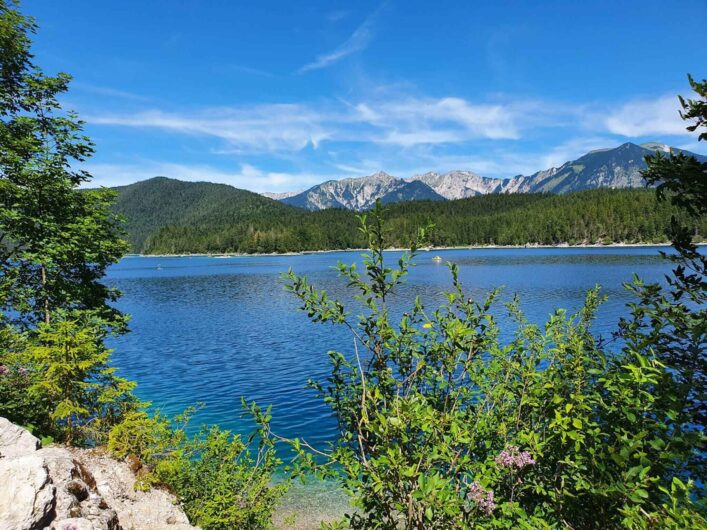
(238, 221)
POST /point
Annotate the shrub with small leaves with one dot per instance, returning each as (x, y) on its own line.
(443, 425)
(222, 481)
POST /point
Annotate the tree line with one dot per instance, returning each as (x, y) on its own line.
(256, 225)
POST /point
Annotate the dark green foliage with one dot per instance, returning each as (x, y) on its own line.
(55, 241)
(167, 217)
(670, 322)
(594, 216)
(161, 202)
(16, 378)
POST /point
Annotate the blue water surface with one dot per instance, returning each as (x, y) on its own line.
(207, 329)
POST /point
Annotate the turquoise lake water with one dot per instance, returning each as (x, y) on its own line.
(215, 329)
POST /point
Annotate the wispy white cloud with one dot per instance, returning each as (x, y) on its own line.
(394, 130)
(358, 41)
(400, 120)
(414, 121)
(403, 122)
(259, 128)
(245, 176)
(109, 92)
(492, 161)
(646, 117)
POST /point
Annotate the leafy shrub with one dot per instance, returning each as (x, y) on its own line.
(56, 380)
(445, 426)
(17, 375)
(221, 481)
(147, 437)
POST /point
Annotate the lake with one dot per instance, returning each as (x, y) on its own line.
(211, 330)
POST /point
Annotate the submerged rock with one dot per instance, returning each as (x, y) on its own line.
(64, 488)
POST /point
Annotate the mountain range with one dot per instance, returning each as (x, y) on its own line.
(618, 167)
(361, 193)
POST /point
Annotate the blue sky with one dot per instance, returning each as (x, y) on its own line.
(275, 96)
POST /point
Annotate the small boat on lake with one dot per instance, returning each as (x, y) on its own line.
(437, 259)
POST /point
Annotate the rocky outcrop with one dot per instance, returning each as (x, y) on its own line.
(115, 481)
(27, 494)
(361, 193)
(62, 488)
(16, 441)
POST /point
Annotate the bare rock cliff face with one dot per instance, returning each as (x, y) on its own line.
(61, 488)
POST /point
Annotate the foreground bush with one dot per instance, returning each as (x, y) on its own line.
(221, 481)
(56, 379)
(443, 425)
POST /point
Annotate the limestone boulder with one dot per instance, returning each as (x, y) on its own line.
(27, 495)
(16, 441)
(66, 488)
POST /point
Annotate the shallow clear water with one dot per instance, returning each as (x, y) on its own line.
(215, 329)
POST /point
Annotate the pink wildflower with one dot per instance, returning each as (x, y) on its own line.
(513, 457)
(3, 369)
(482, 497)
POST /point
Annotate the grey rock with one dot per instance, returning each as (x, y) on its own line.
(361, 193)
(27, 494)
(16, 441)
(74, 523)
(65, 488)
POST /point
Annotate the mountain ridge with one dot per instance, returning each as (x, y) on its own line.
(361, 193)
(616, 167)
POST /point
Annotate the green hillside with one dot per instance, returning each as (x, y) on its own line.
(172, 217)
(159, 202)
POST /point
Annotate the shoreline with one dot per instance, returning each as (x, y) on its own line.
(396, 249)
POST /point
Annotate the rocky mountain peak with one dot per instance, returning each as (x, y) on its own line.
(616, 167)
(656, 146)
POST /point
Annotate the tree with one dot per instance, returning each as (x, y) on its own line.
(669, 322)
(56, 240)
(72, 371)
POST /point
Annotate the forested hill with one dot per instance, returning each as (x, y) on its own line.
(152, 204)
(172, 217)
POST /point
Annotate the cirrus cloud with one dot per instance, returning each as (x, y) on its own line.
(647, 117)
